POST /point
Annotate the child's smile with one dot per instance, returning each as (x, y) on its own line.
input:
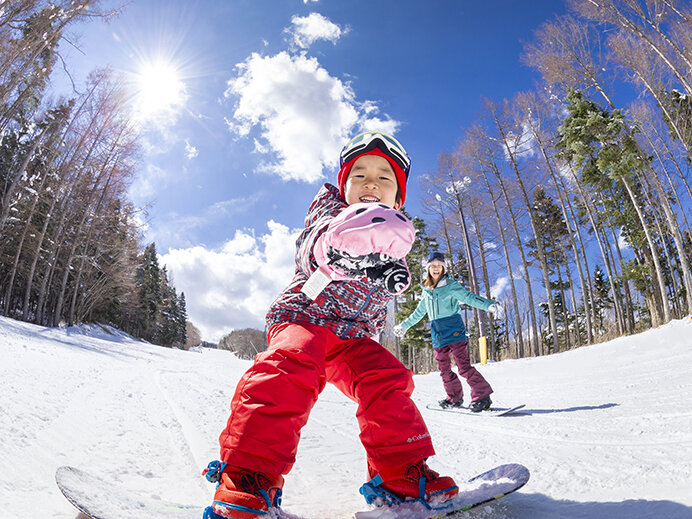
(369, 198)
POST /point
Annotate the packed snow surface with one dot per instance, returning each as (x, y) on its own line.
(606, 431)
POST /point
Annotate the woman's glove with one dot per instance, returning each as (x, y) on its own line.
(496, 311)
(398, 331)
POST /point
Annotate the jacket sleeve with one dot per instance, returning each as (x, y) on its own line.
(323, 209)
(466, 297)
(416, 316)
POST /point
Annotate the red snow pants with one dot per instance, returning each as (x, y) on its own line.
(275, 396)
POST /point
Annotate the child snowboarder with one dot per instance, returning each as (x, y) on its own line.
(349, 265)
(440, 300)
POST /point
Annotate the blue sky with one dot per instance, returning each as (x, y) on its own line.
(245, 105)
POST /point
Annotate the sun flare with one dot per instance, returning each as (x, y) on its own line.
(159, 89)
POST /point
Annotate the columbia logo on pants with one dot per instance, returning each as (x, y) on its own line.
(418, 438)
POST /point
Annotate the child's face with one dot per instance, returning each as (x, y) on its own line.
(371, 180)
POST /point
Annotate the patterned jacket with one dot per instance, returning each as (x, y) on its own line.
(349, 309)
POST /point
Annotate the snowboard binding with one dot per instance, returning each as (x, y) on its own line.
(375, 495)
(378, 496)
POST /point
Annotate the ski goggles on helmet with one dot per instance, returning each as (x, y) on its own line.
(371, 140)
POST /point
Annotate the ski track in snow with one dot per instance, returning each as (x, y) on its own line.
(605, 432)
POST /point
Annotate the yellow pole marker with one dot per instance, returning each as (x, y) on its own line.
(483, 349)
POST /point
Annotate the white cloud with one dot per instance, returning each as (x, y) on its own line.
(499, 287)
(304, 114)
(190, 151)
(490, 246)
(232, 287)
(566, 173)
(521, 145)
(148, 182)
(306, 30)
(176, 230)
(502, 284)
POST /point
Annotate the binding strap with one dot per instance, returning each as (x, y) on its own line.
(372, 491)
(214, 470)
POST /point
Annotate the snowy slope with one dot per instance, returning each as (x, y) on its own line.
(607, 429)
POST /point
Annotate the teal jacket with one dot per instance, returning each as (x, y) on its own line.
(441, 304)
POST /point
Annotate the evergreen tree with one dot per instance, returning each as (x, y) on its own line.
(551, 230)
(602, 147)
(182, 320)
(150, 296)
(24, 80)
(166, 325)
(171, 327)
(602, 299)
(561, 314)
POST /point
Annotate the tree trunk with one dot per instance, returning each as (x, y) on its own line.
(529, 207)
(447, 238)
(515, 301)
(527, 277)
(674, 229)
(654, 255)
(469, 254)
(478, 226)
(87, 239)
(586, 289)
(36, 257)
(20, 245)
(606, 260)
(11, 191)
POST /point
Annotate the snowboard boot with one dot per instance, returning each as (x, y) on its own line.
(447, 403)
(481, 404)
(242, 493)
(412, 482)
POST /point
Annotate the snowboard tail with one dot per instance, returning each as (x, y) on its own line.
(99, 499)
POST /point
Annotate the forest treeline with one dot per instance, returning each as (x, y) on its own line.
(70, 247)
(581, 199)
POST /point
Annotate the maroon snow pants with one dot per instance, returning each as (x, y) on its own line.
(479, 386)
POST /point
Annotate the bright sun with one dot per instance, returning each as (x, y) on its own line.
(159, 89)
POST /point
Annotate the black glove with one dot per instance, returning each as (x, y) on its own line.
(393, 276)
(356, 266)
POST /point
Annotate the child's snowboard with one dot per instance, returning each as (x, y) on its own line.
(99, 499)
(493, 411)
